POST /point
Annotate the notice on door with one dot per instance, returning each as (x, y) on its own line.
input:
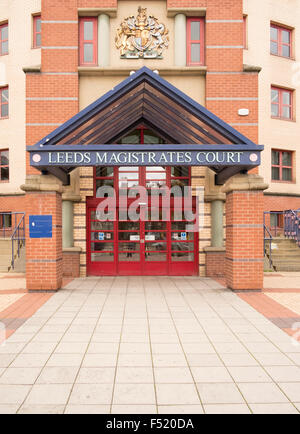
(134, 238)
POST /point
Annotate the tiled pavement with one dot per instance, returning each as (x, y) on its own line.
(148, 345)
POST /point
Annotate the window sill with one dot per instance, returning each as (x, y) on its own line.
(283, 119)
(282, 57)
(282, 182)
(175, 70)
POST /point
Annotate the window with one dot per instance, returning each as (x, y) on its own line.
(276, 219)
(4, 102)
(37, 36)
(281, 41)
(4, 39)
(281, 103)
(5, 220)
(195, 41)
(88, 41)
(4, 165)
(282, 165)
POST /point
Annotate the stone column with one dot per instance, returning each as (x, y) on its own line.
(67, 224)
(44, 265)
(244, 231)
(103, 40)
(71, 254)
(215, 253)
(217, 232)
(180, 40)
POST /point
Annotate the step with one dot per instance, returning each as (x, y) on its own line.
(287, 267)
(4, 269)
(289, 253)
(283, 241)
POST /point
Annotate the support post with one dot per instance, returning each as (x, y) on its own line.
(44, 265)
(244, 232)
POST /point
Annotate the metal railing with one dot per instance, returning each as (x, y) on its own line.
(292, 225)
(15, 232)
(268, 239)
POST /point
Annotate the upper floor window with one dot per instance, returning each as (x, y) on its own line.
(282, 165)
(4, 102)
(281, 41)
(4, 165)
(37, 29)
(195, 41)
(4, 39)
(88, 35)
(281, 103)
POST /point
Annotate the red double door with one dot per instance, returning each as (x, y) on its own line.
(158, 241)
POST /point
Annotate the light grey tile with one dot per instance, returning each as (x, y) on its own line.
(292, 390)
(180, 409)
(41, 409)
(91, 394)
(226, 409)
(99, 360)
(173, 375)
(259, 393)
(13, 394)
(249, 374)
(177, 394)
(57, 375)
(96, 375)
(219, 393)
(20, 375)
(133, 409)
(134, 374)
(273, 409)
(87, 409)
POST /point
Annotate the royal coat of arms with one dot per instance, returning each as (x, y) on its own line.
(141, 36)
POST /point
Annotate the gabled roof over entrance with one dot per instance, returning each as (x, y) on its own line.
(144, 97)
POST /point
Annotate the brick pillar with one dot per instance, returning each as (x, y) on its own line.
(244, 232)
(44, 266)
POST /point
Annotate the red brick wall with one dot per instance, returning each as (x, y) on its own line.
(244, 239)
(12, 203)
(215, 264)
(71, 264)
(44, 264)
(54, 60)
(281, 203)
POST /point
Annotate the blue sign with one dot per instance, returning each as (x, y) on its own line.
(183, 236)
(101, 236)
(40, 226)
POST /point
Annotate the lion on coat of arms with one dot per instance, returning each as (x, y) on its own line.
(141, 36)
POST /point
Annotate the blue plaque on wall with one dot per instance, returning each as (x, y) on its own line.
(40, 226)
